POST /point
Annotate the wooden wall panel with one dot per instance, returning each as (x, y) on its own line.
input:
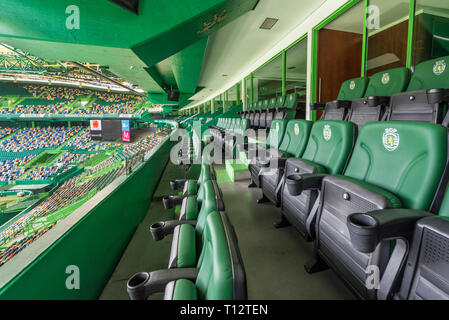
(339, 59)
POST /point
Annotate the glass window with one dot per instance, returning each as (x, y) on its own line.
(248, 97)
(387, 26)
(267, 80)
(431, 33)
(296, 74)
(339, 52)
(232, 97)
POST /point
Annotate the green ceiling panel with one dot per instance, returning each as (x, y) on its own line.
(168, 43)
(186, 66)
(131, 45)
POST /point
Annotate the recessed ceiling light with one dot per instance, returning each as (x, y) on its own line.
(224, 75)
(291, 68)
(269, 23)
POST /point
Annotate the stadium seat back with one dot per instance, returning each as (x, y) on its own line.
(269, 118)
(263, 119)
(280, 101)
(208, 205)
(417, 104)
(276, 134)
(330, 143)
(389, 82)
(291, 101)
(272, 103)
(251, 119)
(215, 278)
(382, 84)
(353, 89)
(266, 104)
(404, 158)
(431, 74)
(296, 137)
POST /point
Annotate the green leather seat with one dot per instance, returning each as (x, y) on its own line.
(426, 96)
(217, 276)
(328, 149)
(381, 87)
(184, 244)
(393, 165)
(273, 142)
(293, 145)
(350, 90)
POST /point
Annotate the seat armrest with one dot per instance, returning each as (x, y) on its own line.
(144, 284)
(163, 228)
(375, 101)
(367, 230)
(297, 183)
(170, 201)
(177, 184)
(280, 162)
(341, 103)
(317, 106)
(437, 95)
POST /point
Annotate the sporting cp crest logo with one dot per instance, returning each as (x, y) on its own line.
(390, 139)
(439, 67)
(296, 129)
(327, 132)
(352, 85)
(386, 78)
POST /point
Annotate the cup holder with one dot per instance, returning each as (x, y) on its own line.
(294, 184)
(173, 185)
(138, 280)
(156, 230)
(362, 220)
(264, 163)
(363, 231)
(167, 202)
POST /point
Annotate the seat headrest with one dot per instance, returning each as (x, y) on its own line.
(430, 74)
(389, 82)
(353, 89)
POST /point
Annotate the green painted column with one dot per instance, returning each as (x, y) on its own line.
(284, 71)
(251, 92)
(225, 106)
(245, 103)
(411, 27)
(237, 94)
(32, 124)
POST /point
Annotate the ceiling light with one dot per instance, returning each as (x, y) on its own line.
(269, 23)
(291, 68)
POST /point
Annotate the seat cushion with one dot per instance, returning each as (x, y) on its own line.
(183, 250)
(190, 188)
(189, 209)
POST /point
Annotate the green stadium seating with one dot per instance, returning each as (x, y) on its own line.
(328, 149)
(293, 146)
(393, 165)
